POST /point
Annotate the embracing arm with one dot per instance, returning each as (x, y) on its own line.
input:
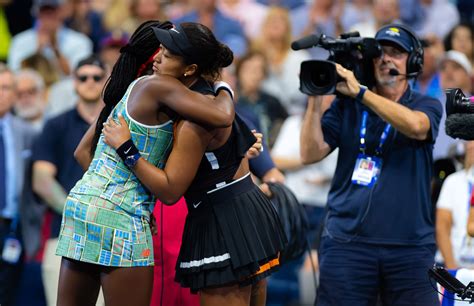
(217, 113)
(170, 183)
(83, 151)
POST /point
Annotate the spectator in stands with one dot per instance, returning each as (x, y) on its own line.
(117, 11)
(226, 29)
(429, 81)
(16, 138)
(55, 171)
(439, 17)
(62, 46)
(461, 38)
(455, 198)
(31, 98)
(283, 64)
(356, 11)
(249, 13)
(82, 18)
(141, 11)
(384, 12)
(39, 63)
(288, 4)
(251, 70)
(318, 16)
(110, 47)
(455, 72)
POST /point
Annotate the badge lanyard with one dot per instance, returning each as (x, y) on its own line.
(367, 168)
(363, 132)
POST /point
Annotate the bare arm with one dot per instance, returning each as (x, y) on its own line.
(312, 145)
(217, 113)
(83, 150)
(413, 124)
(470, 222)
(46, 185)
(170, 183)
(444, 223)
(287, 163)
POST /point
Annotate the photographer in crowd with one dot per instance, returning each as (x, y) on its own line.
(378, 239)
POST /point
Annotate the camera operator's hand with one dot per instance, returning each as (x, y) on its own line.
(349, 87)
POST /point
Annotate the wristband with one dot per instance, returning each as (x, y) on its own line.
(361, 93)
(221, 85)
(129, 153)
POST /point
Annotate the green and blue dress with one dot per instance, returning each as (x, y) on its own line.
(106, 215)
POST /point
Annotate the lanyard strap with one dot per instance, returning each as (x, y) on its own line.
(363, 132)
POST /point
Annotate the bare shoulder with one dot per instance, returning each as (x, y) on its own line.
(162, 83)
(196, 130)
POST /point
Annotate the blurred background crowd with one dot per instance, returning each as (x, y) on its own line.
(43, 44)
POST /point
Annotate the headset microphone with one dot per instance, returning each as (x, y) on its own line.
(395, 72)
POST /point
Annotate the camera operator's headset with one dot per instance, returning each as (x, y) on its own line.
(415, 57)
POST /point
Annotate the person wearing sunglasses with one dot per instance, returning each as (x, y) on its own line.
(55, 171)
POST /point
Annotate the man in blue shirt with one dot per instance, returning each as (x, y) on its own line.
(378, 239)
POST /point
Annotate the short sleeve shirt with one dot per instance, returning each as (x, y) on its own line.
(56, 144)
(397, 210)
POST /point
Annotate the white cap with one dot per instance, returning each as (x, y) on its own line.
(460, 59)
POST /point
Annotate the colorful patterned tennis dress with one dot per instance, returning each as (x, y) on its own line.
(106, 215)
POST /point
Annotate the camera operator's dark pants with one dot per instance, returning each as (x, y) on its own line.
(357, 273)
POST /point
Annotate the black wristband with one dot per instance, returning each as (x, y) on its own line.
(127, 149)
(226, 89)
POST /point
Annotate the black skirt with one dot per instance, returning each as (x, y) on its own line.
(229, 235)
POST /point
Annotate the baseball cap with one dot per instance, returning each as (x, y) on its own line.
(460, 59)
(397, 35)
(175, 40)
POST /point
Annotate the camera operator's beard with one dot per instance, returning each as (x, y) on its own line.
(385, 79)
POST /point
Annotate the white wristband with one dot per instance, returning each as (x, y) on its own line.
(223, 85)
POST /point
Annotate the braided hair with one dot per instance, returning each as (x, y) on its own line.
(134, 57)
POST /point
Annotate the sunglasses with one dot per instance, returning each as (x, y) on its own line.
(96, 77)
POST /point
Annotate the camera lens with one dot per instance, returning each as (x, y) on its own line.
(318, 77)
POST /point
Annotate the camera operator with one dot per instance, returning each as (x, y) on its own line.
(378, 239)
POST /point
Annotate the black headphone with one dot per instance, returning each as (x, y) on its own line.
(415, 57)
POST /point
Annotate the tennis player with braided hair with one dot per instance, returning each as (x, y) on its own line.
(105, 238)
(232, 236)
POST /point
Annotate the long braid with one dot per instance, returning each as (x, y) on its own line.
(141, 46)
